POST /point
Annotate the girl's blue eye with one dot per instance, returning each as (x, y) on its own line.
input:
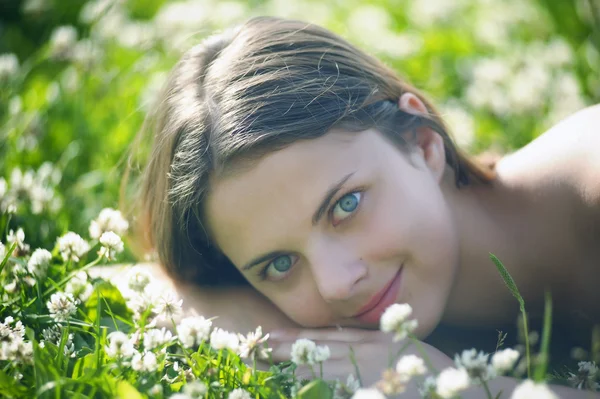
(279, 267)
(281, 264)
(346, 205)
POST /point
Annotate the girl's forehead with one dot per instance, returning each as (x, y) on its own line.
(278, 193)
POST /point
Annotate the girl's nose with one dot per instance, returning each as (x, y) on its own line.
(337, 273)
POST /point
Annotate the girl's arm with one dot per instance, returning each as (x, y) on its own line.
(239, 309)
(507, 385)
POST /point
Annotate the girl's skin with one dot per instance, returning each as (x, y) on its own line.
(540, 218)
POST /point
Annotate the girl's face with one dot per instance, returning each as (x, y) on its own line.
(332, 227)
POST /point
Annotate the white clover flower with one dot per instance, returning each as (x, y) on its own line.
(138, 279)
(3, 185)
(586, 376)
(410, 366)
(391, 383)
(9, 66)
(529, 389)
(451, 381)
(252, 345)
(12, 345)
(428, 388)
(109, 219)
(141, 303)
(144, 362)
(368, 393)
(39, 262)
(62, 305)
(345, 391)
(62, 40)
(168, 305)
(239, 393)
(504, 360)
(69, 348)
(476, 365)
(303, 351)
(193, 330)
(156, 390)
(19, 238)
(321, 354)
(111, 245)
(79, 286)
(395, 320)
(155, 337)
(221, 339)
(17, 351)
(195, 389)
(119, 345)
(52, 334)
(72, 247)
(11, 287)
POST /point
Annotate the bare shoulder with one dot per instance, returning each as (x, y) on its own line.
(565, 157)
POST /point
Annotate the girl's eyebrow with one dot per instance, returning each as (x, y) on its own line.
(331, 192)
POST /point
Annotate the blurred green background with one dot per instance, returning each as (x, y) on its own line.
(77, 77)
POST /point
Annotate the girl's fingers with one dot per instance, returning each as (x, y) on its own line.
(281, 351)
(345, 334)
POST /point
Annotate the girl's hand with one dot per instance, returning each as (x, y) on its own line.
(372, 351)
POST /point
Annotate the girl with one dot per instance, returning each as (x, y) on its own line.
(295, 181)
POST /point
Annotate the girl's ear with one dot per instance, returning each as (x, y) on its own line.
(429, 144)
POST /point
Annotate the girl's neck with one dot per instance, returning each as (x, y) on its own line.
(499, 219)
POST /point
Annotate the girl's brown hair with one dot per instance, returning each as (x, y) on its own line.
(253, 89)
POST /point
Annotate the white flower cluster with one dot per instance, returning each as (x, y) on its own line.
(504, 360)
(9, 66)
(111, 245)
(194, 330)
(39, 262)
(109, 219)
(587, 376)
(523, 84)
(15, 274)
(145, 361)
(451, 381)
(394, 382)
(239, 393)
(13, 346)
(368, 393)
(72, 247)
(251, 345)
(476, 365)
(17, 237)
(154, 338)
(79, 286)
(306, 351)
(119, 346)
(62, 41)
(529, 389)
(395, 320)
(221, 339)
(62, 305)
(346, 390)
(472, 368)
(36, 187)
(192, 390)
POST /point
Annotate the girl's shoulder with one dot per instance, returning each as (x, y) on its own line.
(566, 158)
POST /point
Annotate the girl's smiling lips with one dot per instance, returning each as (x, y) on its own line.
(372, 311)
